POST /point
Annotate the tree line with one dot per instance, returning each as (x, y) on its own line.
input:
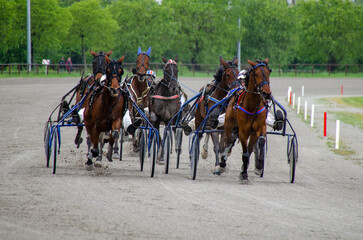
(198, 31)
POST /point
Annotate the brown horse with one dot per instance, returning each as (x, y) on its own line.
(86, 85)
(105, 110)
(139, 86)
(226, 79)
(247, 110)
(165, 97)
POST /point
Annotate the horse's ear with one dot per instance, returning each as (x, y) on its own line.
(251, 63)
(121, 60)
(224, 63)
(148, 51)
(176, 58)
(109, 53)
(134, 71)
(139, 51)
(93, 53)
(266, 61)
(235, 61)
(164, 59)
(108, 60)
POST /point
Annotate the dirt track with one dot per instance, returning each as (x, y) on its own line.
(121, 202)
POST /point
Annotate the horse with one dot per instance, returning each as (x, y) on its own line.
(105, 111)
(165, 97)
(226, 79)
(247, 110)
(87, 85)
(139, 85)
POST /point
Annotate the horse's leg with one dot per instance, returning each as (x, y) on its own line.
(205, 146)
(89, 163)
(78, 140)
(245, 157)
(216, 148)
(100, 145)
(113, 148)
(257, 141)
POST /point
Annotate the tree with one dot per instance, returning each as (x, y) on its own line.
(268, 30)
(92, 28)
(49, 23)
(9, 37)
(330, 31)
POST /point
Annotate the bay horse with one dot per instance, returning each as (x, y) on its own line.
(247, 110)
(225, 80)
(86, 85)
(139, 85)
(165, 97)
(105, 111)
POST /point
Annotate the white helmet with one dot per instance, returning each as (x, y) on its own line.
(242, 74)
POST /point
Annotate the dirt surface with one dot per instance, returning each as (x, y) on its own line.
(119, 201)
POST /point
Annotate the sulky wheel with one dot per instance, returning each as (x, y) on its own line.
(153, 155)
(47, 142)
(194, 157)
(178, 145)
(143, 147)
(55, 148)
(292, 158)
(166, 147)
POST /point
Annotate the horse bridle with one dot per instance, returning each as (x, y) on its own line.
(101, 67)
(232, 66)
(264, 80)
(141, 78)
(114, 66)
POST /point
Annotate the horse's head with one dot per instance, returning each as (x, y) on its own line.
(99, 63)
(260, 75)
(114, 72)
(230, 73)
(170, 69)
(142, 63)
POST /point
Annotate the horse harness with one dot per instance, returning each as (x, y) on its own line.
(242, 94)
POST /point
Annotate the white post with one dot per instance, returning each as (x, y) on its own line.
(337, 130)
(293, 101)
(312, 115)
(298, 105)
(302, 91)
(46, 69)
(306, 110)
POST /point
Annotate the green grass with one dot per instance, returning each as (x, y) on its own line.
(343, 149)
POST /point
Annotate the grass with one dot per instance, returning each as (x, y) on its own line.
(183, 72)
(352, 118)
(343, 149)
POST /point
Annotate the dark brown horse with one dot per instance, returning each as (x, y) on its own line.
(165, 97)
(86, 85)
(247, 110)
(105, 110)
(139, 86)
(226, 79)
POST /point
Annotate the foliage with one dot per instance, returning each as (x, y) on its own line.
(198, 31)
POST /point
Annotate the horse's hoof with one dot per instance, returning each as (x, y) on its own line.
(161, 162)
(116, 155)
(89, 165)
(217, 172)
(78, 141)
(243, 178)
(110, 159)
(258, 172)
(94, 152)
(222, 169)
(204, 154)
(98, 164)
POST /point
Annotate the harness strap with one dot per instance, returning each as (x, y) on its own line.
(166, 98)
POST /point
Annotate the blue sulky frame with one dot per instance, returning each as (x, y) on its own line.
(292, 143)
(151, 138)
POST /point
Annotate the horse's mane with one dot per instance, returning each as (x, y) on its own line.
(219, 73)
